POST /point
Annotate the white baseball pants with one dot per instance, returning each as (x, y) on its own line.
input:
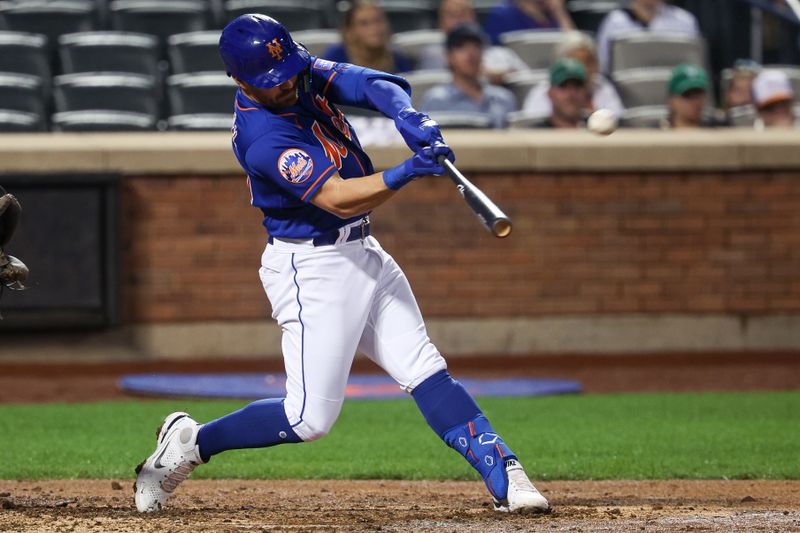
(330, 302)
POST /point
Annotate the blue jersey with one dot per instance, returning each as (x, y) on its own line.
(289, 153)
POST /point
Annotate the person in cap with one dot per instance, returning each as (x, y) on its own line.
(774, 100)
(469, 92)
(602, 94)
(568, 94)
(332, 287)
(688, 93)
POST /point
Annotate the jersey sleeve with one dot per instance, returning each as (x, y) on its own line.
(343, 83)
(290, 163)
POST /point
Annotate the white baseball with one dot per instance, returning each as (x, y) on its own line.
(602, 122)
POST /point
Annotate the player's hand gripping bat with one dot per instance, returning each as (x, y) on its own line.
(491, 216)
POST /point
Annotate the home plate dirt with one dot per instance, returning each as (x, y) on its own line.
(234, 505)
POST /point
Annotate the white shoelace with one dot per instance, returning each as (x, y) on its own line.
(520, 481)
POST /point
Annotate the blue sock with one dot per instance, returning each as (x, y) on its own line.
(262, 423)
(453, 414)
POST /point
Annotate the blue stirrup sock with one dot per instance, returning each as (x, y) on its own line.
(258, 425)
(453, 414)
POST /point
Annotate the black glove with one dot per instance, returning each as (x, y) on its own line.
(13, 272)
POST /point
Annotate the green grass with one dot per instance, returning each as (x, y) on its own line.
(630, 436)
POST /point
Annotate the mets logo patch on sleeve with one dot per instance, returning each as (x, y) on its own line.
(295, 165)
(323, 64)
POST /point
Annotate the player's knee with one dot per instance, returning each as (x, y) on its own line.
(311, 430)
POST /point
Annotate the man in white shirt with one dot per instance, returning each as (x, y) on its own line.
(642, 15)
(577, 45)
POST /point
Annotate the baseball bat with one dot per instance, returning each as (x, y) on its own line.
(491, 216)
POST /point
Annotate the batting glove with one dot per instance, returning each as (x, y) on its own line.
(417, 129)
(424, 163)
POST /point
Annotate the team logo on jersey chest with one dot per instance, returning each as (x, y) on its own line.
(295, 165)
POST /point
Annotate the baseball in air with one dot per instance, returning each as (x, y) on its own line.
(602, 122)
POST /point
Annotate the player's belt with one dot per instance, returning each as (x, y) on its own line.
(358, 231)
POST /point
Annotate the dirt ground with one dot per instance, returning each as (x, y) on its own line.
(234, 505)
(201, 505)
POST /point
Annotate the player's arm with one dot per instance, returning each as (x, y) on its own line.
(347, 198)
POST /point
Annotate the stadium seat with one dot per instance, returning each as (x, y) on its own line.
(520, 83)
(111, 91)
(24, 53)
(422, 80)
(161, 18)
(308, 15)
(102, 120)
(109, 51)
(49, 18)
(523, 119)
(588, 14)
(409, 15)
(20, 121)
(196, 51)
(201, 122)
(536, 48)
(644, 117)
(743, 116)
(642, 86)
(317, 41)
(461, 120)
(412, 43)
(649, 49)
(202, 92)
(21, 92)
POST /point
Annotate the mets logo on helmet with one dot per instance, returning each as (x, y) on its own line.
(275, 49)
(295, 165)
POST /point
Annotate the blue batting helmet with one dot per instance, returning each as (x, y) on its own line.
(257, 49)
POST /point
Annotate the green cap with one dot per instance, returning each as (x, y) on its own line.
(567, 69)
(686, 77)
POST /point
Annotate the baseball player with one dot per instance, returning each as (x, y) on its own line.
(333, 289)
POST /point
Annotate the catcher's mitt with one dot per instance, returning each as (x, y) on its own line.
(13, 272)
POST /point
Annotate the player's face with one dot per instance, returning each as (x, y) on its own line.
(284, 95)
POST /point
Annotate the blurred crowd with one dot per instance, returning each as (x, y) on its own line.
(579, 79)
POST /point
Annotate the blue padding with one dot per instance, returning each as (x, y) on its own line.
(259, 385)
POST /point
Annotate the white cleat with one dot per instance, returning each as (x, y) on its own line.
(522, 495)
(175, 457)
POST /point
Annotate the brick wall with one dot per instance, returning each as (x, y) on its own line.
(582, 243)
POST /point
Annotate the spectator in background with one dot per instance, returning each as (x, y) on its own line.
(512, 15)
(740, 90)
(688, 88)
(642, 15)
(469, 92)
(365, 40)
(602, 94)
(774, 98)
(497, 60)
(568, 94)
